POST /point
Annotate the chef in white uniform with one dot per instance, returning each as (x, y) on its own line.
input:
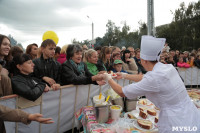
(163, 86)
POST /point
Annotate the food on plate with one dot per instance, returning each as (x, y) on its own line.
(114, 75)
(194, 95)
(156, 108)
(143, 101)
(156, 119)
(142, 108)
(110, 72)
(131, 116)
(151, 112)
(146, 124)
(143, 114)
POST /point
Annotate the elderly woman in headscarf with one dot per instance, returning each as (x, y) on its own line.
(74, 70)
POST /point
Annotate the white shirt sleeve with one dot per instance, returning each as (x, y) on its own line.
(147, 85)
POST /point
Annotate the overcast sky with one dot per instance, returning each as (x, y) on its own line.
(27, 20)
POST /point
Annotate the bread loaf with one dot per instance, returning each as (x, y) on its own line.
(131, 116)
(146, 124)
(156, 119)
(151, 112)
(143, 114)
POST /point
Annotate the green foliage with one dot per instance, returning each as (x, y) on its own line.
(14, 42)
(183, 32)
(116, 36)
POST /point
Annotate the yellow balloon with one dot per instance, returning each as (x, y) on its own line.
(50, 35)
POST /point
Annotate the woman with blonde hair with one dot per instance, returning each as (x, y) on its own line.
(62, 57)
(91, 58)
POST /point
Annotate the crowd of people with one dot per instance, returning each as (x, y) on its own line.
(40, 69)
(180, 59)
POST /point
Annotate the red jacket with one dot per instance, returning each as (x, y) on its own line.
(62, 58)
(185, 65)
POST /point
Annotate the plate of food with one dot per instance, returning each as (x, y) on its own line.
(144, 114)
(140, 114)
(144, 125)
(144, 102)
(112, 74)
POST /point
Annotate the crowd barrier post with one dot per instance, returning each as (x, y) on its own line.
(40, 128)
(16, 127)
(74, 108)
(60, 99)
(88, 99)
(123, 82)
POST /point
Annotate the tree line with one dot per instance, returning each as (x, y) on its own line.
(183, 33)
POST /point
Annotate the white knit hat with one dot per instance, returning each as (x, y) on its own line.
(151, 48)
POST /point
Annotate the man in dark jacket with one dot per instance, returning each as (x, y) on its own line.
(46, 68)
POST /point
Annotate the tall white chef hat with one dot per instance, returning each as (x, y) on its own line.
(151, 48)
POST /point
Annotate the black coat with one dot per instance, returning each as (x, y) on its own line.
(70, 75)
(104, 67)
(28, 87)
(47, 67)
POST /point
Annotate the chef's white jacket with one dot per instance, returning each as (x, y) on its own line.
(164, 87)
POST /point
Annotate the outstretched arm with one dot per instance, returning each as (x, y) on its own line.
(17, 115)
(116, 87)
(39, 118)
(133, 77)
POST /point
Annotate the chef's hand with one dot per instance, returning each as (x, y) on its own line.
(121, 75)
(106, 77)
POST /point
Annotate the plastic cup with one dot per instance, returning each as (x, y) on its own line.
(96, 99)
(115, 111)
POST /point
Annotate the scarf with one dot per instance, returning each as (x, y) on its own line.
(92, 68)
(79, 67)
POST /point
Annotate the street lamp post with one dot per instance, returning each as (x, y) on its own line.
(92, 30)
(150, 17)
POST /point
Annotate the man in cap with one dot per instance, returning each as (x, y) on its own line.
(163, 86)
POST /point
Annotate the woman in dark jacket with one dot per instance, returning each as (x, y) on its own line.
(23, 84)
(104, 63)
(74, 71)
